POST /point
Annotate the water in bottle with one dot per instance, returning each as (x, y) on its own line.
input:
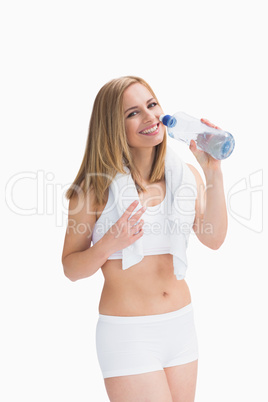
(216, 142)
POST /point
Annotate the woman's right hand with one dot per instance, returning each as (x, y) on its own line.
(126, 230)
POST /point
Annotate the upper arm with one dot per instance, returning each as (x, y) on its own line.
(81, 222)
(200, 202)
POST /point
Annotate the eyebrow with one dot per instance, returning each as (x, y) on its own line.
(136, 107)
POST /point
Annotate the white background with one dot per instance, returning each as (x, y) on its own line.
(207, 58)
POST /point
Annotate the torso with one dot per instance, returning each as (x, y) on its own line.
(149, 287)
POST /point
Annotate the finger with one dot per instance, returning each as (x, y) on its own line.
(136, 236)
(136, 228)
(135, 218)
(196, 152)
(130, 208)
(137, 215)
(192, 145)
(208, 123)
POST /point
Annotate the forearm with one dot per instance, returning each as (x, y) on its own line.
(82, 264)
(213, 225)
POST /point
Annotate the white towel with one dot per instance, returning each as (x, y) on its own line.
(181, 182)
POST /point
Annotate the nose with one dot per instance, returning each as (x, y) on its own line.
(149, 116)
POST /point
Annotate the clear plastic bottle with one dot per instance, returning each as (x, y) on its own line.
(216, 142)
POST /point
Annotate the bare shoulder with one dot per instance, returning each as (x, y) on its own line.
(81, 222)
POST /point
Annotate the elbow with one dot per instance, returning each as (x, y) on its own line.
(215, 244)
(68, 273)
(212, 242)
(72, 279)
(217, 238)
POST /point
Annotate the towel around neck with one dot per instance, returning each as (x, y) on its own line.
(180, 181)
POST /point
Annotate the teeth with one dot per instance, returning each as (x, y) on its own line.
(151, 130)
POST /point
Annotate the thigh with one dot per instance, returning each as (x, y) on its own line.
(182, 381)
(152, 386)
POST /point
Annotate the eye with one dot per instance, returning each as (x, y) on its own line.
(153, 104)
(132, 114)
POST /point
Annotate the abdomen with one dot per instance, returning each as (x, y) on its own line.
(147, 288)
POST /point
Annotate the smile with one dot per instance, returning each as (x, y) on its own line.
(151, 131)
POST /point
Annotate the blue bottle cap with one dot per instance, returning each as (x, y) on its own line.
(168, 120)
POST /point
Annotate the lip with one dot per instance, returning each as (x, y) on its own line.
(148, 128)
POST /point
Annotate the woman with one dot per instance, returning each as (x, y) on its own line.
(145, 336)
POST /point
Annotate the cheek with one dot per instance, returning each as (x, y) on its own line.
(130, 130)
(159, 111)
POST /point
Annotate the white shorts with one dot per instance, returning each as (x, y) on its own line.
(139, 344)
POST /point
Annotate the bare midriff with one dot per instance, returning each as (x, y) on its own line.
(149, 287)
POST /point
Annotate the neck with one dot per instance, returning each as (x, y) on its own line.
(143, 159)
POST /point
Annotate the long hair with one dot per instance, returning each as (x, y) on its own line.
(107, 150)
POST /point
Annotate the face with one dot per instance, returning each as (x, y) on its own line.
(141, 113)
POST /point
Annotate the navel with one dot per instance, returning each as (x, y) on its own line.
(165, 294)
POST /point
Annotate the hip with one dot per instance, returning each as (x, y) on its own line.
(133, 345)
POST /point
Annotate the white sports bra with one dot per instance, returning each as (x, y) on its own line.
(167, 226)
(156, 226)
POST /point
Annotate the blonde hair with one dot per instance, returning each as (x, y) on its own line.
(107, 150)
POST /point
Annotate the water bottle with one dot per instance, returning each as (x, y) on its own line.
(216, 142)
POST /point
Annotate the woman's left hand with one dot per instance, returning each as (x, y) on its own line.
(205, 160)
